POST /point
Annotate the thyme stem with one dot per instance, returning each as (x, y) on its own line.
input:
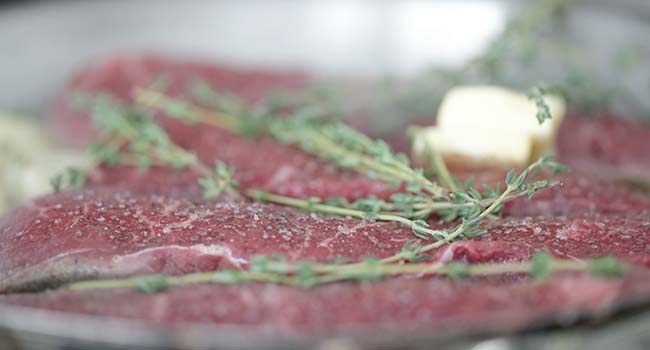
(443, 172)
(328, 209)
(288, 274)
(320, 144)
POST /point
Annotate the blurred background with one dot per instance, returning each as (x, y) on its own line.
(42, 42)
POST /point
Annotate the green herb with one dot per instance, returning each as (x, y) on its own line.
(412, 252)
(70, 178)
(221, 179)
(309, 275)
(320, 101)
(151, 283)
(607, 267)
(131, 137)
(227, 277)
(457, 270)
(441, 170)
(207, 96)
(536, 93)
(540, 267)
(335, 142)
(419, 229)
(347, 148)
(306, 276)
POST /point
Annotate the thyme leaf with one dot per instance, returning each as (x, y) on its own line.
(457, 270)
(536, 93)
(70, 178)
(218, 181)
(607, 267)
(540, 267)
(151, 283)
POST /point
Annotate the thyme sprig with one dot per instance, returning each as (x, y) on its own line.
(214, 183)
(275, 269)
(132, 137)
(129, 136)
(334, 142)
(347, 148)
(410, 208)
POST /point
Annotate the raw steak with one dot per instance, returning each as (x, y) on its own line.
(103, 233)
(584, 143)
(119, 74)
(604, 145)
(258, 162)
(609, 146)
(133, 222)
(434, 306)
(579, 193)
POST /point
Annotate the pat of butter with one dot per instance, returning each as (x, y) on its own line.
(471, 146)
(488, 124)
